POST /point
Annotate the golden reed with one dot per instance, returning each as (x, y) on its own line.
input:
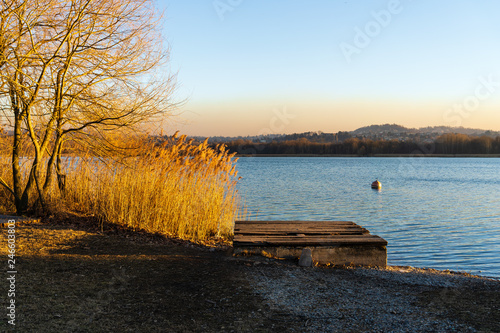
(177, 188)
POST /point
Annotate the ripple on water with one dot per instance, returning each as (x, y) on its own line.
(434, 212)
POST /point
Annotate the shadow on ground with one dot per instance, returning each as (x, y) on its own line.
(70, 280)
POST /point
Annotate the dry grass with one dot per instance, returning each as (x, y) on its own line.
(179, 189)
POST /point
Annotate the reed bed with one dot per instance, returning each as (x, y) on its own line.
(6, 199)
(178, 189)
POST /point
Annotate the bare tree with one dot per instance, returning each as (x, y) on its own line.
(76, 68)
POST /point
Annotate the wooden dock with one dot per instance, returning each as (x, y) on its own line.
(331, 242)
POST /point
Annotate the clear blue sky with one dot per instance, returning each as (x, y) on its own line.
(263, 66)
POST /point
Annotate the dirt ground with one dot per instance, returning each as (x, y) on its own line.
(74, 277)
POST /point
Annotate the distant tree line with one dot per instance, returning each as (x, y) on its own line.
(444, 144)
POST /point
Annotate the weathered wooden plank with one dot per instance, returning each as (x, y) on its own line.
(319, 241)
(303, 225)
(306, 232)
(308, 241)
(284, 226)
(294, 222)
(315, 243)
(239, 222)
(294, 225)
(303, 236)
(291, 227)
(300, 230)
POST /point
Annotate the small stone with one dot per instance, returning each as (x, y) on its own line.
(306, 258)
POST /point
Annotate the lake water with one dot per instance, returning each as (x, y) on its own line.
(442, 213)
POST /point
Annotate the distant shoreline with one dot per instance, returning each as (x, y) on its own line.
(374, 155)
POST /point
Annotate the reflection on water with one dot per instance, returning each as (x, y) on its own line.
(434, 212)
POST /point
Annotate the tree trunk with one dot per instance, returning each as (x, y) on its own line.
(16, 167)
(61, 178)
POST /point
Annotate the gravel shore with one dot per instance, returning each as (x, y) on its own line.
(396, 299)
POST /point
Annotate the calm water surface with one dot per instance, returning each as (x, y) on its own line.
(442, 213)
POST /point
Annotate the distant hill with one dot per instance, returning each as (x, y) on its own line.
(386, 128)
(458, 130)
(372, 132)
(398, 129)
